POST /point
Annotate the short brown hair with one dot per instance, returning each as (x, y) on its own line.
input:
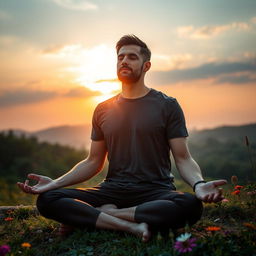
(132, 39)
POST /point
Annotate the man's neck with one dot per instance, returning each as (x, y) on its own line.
(135, 90)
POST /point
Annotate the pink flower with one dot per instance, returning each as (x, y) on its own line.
(224, 200)
(251, 193)
(4, 249)
(185, 246)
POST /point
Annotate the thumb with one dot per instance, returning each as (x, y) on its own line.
(34, 176)
(217, 183)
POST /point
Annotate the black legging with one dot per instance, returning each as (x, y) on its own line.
(160, 208)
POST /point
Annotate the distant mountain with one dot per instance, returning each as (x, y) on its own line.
(78, 136)
(225, 133)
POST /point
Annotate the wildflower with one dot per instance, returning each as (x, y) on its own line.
(238, 187)
(184, 243)
(236, 192)
(234, 179)
(224, 200)
(26, 245)
(8, 219)
(183, 237)
(250, 225)
(4, 249)
(251, 193)
(213, 228)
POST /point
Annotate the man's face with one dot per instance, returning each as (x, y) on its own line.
(129, 64)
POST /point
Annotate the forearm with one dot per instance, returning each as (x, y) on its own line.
(81, 172)
(189, 170)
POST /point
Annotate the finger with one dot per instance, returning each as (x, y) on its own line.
(20, 185)
(217, 183)
(26, 184)
(218, 197)
(34, 176)
(205, 198)
(211, 198)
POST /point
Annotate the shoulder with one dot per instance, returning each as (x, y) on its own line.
(164, 98)
(106, 103)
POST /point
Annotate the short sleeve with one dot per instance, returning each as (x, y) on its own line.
(96, 133)
(176, 124)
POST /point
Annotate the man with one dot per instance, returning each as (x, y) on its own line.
(136, 129)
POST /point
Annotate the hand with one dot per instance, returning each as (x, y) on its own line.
(209, 192)
(44, 184)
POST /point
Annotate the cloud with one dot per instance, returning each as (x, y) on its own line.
(206, 32)
(253, 20)
(236, 79)
(167, 62)
(6, 40)
(81, 92)
(114, 80)
(208, 70)
(23, 96)
(4, 15)
(76, 5)
(53, 49)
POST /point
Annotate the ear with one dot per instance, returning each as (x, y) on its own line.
(147, 66)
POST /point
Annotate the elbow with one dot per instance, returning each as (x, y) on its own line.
(95, 164)
(179, 160)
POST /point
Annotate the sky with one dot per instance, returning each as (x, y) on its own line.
(58, 58)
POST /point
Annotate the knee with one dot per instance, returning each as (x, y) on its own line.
(43, 201)
(194, 208)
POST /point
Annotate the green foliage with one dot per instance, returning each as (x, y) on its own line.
(221, 160)
(20, 156)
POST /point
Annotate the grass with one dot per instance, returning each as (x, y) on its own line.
(234, 218)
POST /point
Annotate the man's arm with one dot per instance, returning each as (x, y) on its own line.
(81, 172)
(191, 173)
(87, 168)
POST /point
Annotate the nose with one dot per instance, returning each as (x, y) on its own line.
(124, 61)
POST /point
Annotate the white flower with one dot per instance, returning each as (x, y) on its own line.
(183, 237)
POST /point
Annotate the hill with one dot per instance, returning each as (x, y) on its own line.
(225, 134)
(78, 136)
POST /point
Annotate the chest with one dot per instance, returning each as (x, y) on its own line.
(133, 119)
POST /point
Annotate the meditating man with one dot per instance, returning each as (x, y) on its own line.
(137, 130)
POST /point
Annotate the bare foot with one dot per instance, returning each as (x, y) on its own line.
(109, 209)
(65, 230)
(142, 231)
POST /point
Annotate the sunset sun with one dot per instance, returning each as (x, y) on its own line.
(95, 69)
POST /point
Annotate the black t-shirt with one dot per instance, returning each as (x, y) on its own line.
(136, 132)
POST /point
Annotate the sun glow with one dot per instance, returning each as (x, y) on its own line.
(95, 69)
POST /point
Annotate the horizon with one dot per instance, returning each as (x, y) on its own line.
(89, 125)
(60, 62)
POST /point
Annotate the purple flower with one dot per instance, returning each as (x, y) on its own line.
(4, 249)
(185, 246)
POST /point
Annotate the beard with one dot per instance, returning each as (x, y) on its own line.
(130, 78)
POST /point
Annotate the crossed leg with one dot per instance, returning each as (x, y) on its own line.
(58, 205)
(62, 206)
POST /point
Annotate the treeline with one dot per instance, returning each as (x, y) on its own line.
(21, 155)
(224, 159)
